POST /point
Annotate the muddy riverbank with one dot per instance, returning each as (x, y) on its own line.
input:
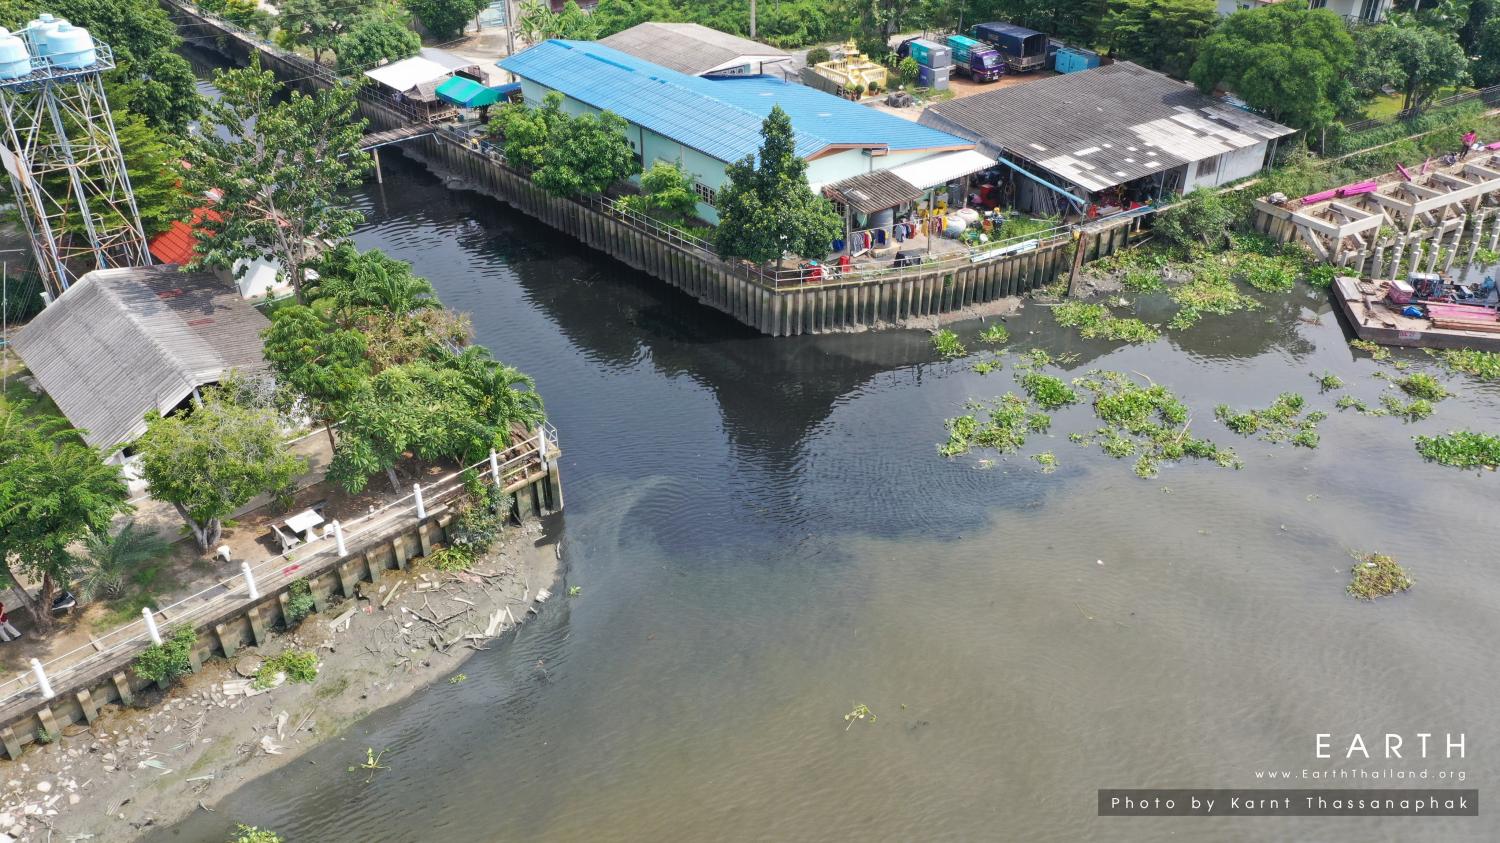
(182, 751)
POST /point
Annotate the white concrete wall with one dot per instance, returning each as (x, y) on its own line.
(1342, 8)
(1232, 166)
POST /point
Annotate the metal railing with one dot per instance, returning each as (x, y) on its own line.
(273, 572)
(1489, 96)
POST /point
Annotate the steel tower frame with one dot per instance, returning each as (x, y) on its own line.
(63, 157)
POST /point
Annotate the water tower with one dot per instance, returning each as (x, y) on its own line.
(62, 154)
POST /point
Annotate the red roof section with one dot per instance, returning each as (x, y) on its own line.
(178, 243)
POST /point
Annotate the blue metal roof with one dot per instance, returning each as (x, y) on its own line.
(719, 117)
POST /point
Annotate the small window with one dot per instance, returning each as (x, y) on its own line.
(1208, 166)
(705, 193)
(1317, 4)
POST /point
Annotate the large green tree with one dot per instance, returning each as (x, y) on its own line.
(537, 22)
(214, 457)
(767, 208)
(1160, 34)
(445, 18)
(376, 38)
(527, 132)
(318, 360)
(1415, 60)
(1288, 62)
(395, 310)
(281, 165)
(54, 491)
(590, 154)
(316, 24)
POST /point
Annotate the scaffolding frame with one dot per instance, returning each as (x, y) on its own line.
(62, 154)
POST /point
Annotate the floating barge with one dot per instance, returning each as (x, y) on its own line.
(1376, 318)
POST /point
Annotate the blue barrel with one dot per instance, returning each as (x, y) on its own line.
(15, 61)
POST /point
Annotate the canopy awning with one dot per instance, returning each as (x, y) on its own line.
(943, 168)
(408, 73)
(871, 192)
(466, 93)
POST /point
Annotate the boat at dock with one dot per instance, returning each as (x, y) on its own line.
(1375, 314)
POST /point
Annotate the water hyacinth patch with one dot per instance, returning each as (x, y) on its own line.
(1461, 449)
(1377, 575)
(1049, 393)
(1481, 364)
(1094, 321)
(1282, 421)
(1145, 421)
(1422, 385)
(994, 335)
(946, 343)
(1002, 424)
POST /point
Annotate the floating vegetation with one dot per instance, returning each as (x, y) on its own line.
(1377, 575)
(1209, 292)
(1377, 352)
(1422, 385)
(1328, 381)
(1143, 280)
(371, 763)
(1349, 402)
(984, 367)
(1481, 364)
(1004, 427)
(1320, 275)
(946, 343)
(994, 335)
(1047, 460)
(1462, 449)
(1047, 391)
(1035, 358)
(1414, 410)
(1094, 321)
(1267, 274)
(1148, 422)
(860, 712)
(1281, 422)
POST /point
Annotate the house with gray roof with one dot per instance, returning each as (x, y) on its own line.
(120, 343)
(1109, 136)
(695, 49)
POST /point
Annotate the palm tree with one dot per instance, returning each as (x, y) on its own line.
(507, 397)
(111, 559)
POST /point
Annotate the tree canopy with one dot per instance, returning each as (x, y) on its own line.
(372, 39)
(1285, 61)
(316, 24)
(281, 166)
(567, 156)
(212, 458)
(767, 208)
(54, 491)
(537, 22)
(1415, 60)
(1160, 34)
(445, 18)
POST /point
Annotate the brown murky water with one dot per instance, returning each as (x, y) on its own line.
(765, 538)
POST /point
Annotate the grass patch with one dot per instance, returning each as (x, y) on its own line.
(1094, 321)
(1377, 575)
(1002, 424)
(1462, 449)
(1281, 422)
(946, 344)
(1481, 364)
(1422, 385)
(298, 665)
(994, 335)
(1145, 421)
(1049, 393)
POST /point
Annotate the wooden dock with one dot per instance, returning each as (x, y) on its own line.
(1376, 319)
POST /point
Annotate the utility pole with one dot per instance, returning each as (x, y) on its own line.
(510, 28)
(752, 20)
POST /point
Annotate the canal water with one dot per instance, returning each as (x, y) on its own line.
(765, 537)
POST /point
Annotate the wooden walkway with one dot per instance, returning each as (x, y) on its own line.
(375, 140)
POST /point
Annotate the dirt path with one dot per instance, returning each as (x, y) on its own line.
(183, 751)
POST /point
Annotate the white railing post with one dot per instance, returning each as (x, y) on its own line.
(338, 539)
(421, 507)
(495, 468)
(151, 629)
(41, 679)
(541, 444)
(250, 580)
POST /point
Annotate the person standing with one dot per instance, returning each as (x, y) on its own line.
(8, 631)
(1469, 138)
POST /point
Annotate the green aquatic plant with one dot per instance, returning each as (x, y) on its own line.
(1376, 351)
(946, 343)
(994, 335)
(1461, 449)
(1481, 364)
(984, 367)
(1002, 424)
(1145, 421)
(1047, 460)
(1047, 391)
(1094, 321)
(1143, 280)
(1422, 385)
(1320, 275)
(860, 712)
(371, 763)
(251, 834)
(1328, 381)
(1264, 273)
(1414, 410)
(1377, 575)
(1281, 422)
(458, 679)
(1210, 291)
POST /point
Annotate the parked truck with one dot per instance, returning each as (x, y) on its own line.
(1024, 50)
(975, 59)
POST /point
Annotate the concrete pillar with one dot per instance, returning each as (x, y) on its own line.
(12, 743)
(86, 702)
(195, 658)
(49, 721)
(347, 578)
(150, 615)
(495, 470)
(41, 679)
(122, 688)
(373, 567)
(257, 625)
(1377, 270)
(227, 643)
(320, 598)
(398, 547)
(424, 538)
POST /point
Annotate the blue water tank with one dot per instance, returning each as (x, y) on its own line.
(15, 61)
(71, 47)
(37, 32)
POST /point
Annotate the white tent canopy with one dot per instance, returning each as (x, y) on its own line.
(409, 73)
(943, 168)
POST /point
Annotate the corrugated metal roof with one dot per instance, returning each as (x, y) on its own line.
(876, 191)
(718, 117)
(941, 169)
(688, 47)
(1104, 126)
(122, 342)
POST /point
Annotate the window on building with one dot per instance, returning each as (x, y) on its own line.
(705, 193)
(1208, 167)
(1369, 10)
(1317, 4)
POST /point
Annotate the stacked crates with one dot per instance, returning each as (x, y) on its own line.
(934, 63)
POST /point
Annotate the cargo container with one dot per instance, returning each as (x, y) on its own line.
(975, 59)
(1024, 50)
(1074, 59)
(935, 78)
(931, 53)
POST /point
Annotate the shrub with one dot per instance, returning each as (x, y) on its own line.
(909, 70)
(298, 665)
(817, 55)
(299, 602)
(170, 660)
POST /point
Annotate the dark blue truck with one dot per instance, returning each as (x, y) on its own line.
(1024, 50)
